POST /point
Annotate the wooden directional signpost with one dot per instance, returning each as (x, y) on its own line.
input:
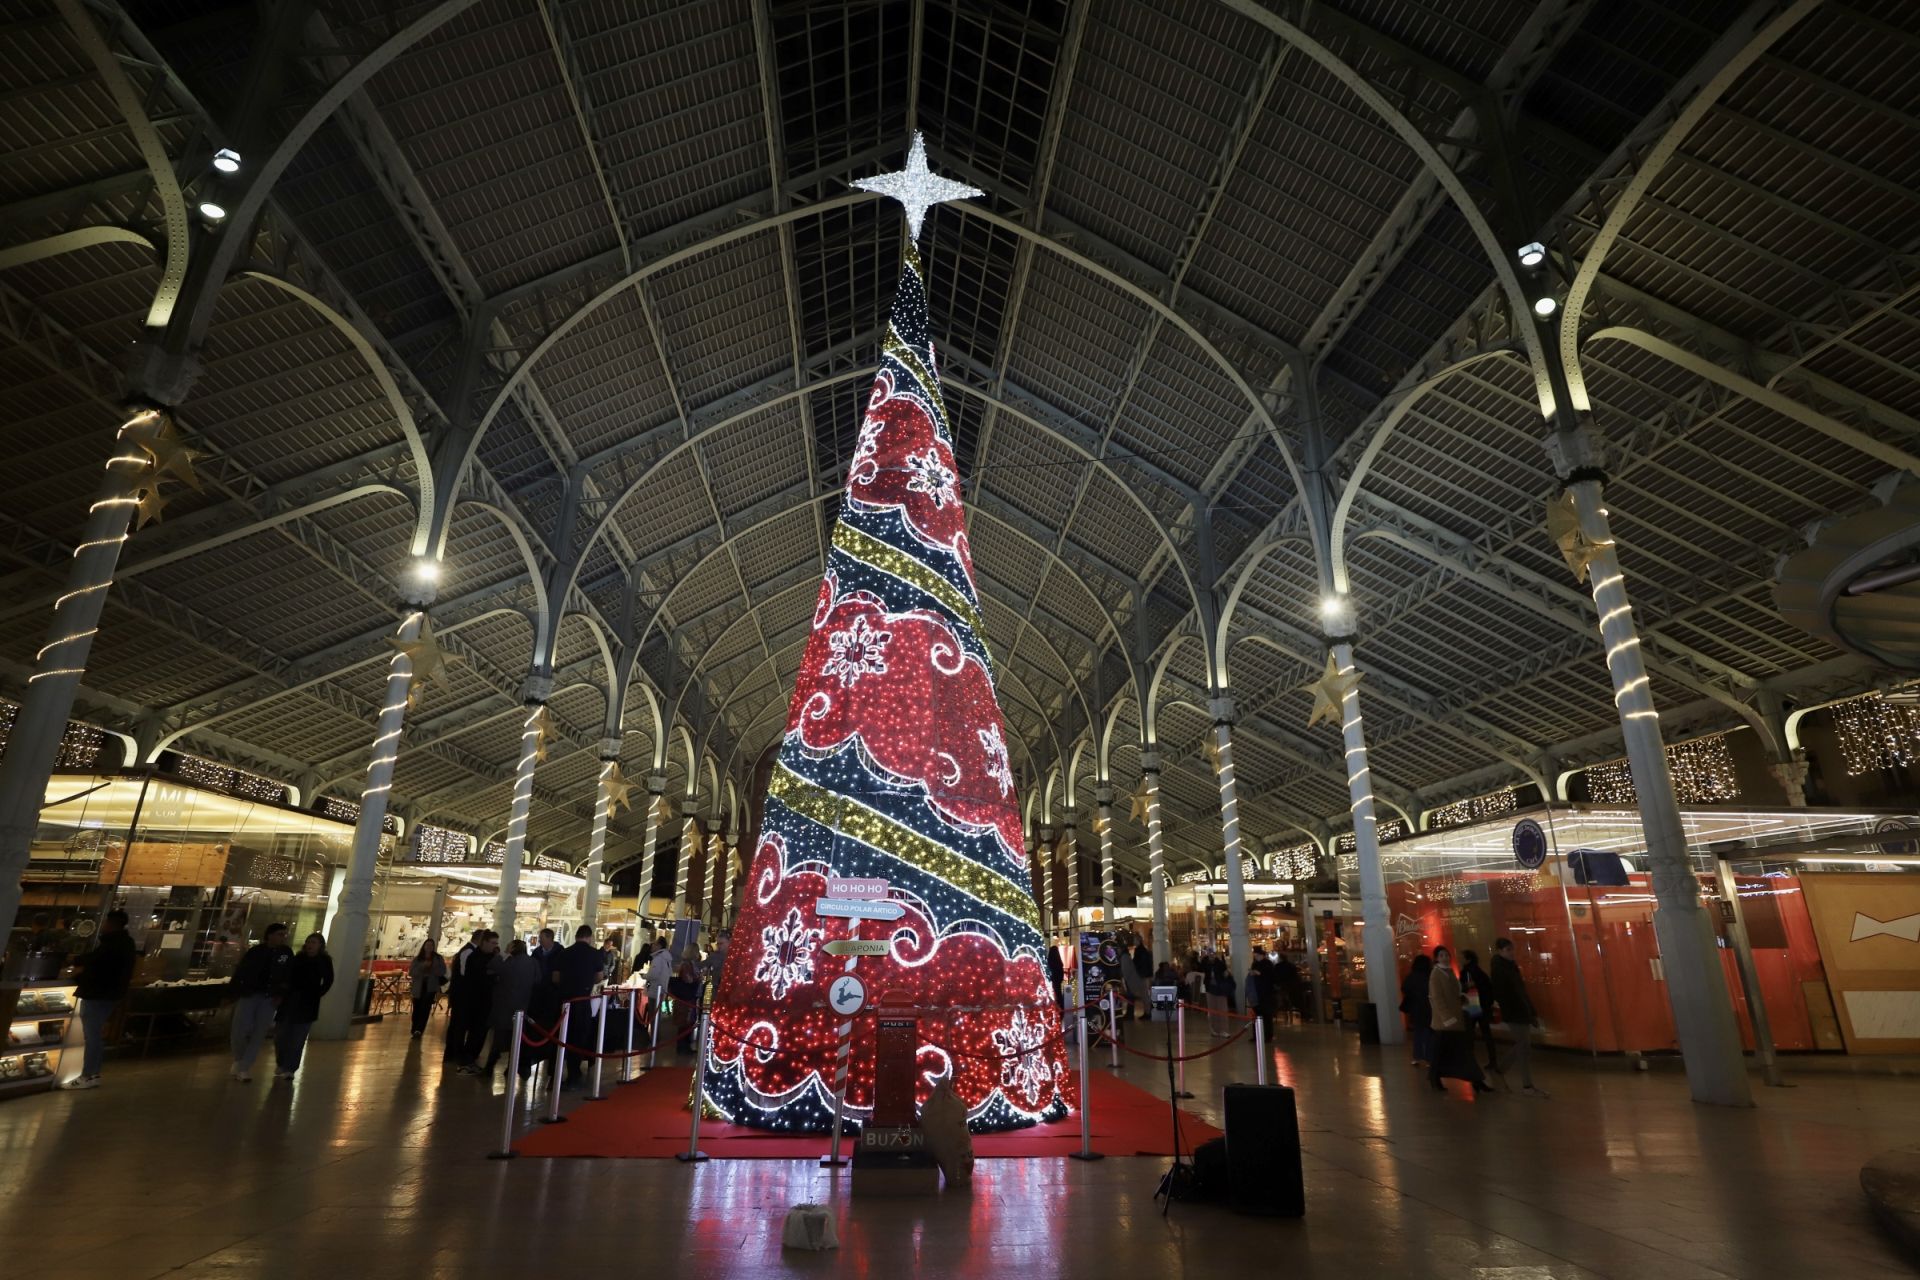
(850, 898)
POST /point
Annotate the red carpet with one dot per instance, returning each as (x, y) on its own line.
(648, 1119)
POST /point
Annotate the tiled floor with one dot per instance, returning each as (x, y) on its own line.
(373, 1166)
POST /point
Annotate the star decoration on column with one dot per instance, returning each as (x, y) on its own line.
(1063, 848)
(172, 456)
(541, 722)
(1138, 801)
(1330, 693)
(619, 790)
(152, 503)
(917, 187)
(1563, 526)
(660, 811)
(424, 652)
(1213, 750)
(1100, 823)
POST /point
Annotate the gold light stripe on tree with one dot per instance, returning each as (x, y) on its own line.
(897, 840)
(876, 554)
(900, 351)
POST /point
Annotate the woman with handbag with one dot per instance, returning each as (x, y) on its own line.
(1452, 1050)
(425, 976)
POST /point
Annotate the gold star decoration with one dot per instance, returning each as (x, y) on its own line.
(1563, 526)
(1063, 849)
(171, 455)
(424, 652)
(619, 790)
(1101, 822)
(1330, 693)
(542, 725)
(660, 811)
(1138, 802)
(152, 503)
(1213, 751)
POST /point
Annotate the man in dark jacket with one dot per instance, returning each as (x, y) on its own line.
(473, 1001)
(576, 971)
(457, 1004)
(105, 973)
(259, 985)
(1516, 1010)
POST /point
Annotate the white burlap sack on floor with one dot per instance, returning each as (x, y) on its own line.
(944, 1119)
(809, 1226)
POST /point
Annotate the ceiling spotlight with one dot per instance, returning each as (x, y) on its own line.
(227, 160)
(212, 212)
(426, 570)
(1335, 609)
(1544, 307)
(1532, 255)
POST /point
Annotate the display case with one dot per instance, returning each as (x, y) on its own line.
(40, 1021)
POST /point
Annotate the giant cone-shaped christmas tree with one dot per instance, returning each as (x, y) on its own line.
(894, 766)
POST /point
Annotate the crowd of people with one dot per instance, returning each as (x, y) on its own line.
(485, 988)
(1445, 1009)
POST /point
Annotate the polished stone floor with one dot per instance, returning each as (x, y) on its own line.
(372, 1165)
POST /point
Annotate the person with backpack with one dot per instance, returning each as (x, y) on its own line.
(259, 985)
(1516, 1010)
(105, 973)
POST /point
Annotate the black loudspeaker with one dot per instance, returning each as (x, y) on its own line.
(1263, 1151)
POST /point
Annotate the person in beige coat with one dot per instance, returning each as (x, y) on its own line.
(1453, 1049)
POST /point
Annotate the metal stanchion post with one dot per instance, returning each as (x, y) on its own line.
(703, 1032)
(559, 1065)
(506, 1151)
(1086, 1151)
(653, 1039)
(1113, 1031)
(1259, 1051)
(633, 1009)
(1180, 1016)
(599, 1047)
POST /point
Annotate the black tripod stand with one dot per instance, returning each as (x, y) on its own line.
(1177, 1182)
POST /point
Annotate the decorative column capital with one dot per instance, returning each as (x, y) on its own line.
(159, 378)
(1103, 794)
(536, 689)
(1150, 759)
(610, 748)
(656, 784)
(1577, 454)
(1221, 709)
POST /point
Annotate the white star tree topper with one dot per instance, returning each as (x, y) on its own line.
(917, 187)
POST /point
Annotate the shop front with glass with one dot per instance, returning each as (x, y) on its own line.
(200, 874)
(1823, 895)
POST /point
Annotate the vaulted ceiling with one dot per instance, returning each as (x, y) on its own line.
(639, 212)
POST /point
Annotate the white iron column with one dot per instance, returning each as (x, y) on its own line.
(597, 840)
(1156, 855)
(1383, 976)
(690, 849)
(41, 721)
(1066, 851)
(1222, 709)
(533, 698)
(1103, 827)
(1689, 959)
(656, 792)
(1040, 864)
(347, 935)
(716, 873)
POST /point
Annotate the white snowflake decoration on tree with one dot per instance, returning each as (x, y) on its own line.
(858, 651)
(786, 954)
(997, 766)
(1023, 1070)
(932, 477)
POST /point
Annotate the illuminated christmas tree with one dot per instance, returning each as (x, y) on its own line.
(894, 767)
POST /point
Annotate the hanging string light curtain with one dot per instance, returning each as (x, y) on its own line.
(1875, 734)
(1703, 773)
